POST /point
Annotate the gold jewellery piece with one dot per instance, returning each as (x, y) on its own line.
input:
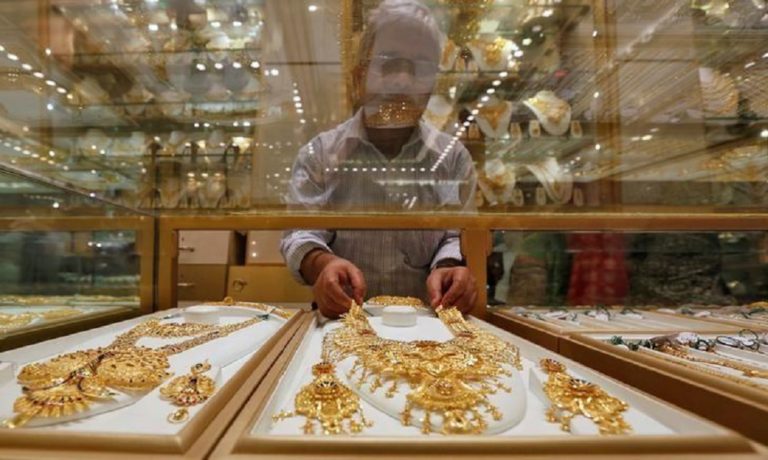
(328, 402)
(691, 365)
(17, 320)
(189, 390)
(230, 302)
(570, 397)
(385, 300)
(72, 382)
(401, 112)
(553, 110)
(451, 379)
(746, 369)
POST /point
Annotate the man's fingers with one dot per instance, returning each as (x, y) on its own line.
(435, 287)
(357, 280)
(336, 297)
(453, 295)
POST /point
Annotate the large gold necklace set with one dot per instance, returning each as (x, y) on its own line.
(73, 382)
(450, 379)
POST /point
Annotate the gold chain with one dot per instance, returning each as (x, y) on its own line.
(706, 370)
(745, 369)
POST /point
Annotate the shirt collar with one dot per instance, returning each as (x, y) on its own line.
(424, 141)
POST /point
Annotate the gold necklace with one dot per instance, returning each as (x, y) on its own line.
(745, 369)
(396, 300)
(13, 321)
(553, 110)
(493, 114)
(570, 397)
(267, 309)
(452, 379)
(70, 383)
(706, 370)
(16, 320)
(491, 50)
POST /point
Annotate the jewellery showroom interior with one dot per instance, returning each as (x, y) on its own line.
(531, 229)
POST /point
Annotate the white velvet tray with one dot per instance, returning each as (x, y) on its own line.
(147, 415)
(646, 415)
(642, 320)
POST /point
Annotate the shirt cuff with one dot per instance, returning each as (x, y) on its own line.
(296, 256)
(449, 251)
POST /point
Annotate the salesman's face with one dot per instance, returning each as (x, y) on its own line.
(399, 76)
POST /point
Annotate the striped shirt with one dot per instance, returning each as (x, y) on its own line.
(340, 171)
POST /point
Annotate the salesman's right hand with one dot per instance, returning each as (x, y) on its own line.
(338, 282)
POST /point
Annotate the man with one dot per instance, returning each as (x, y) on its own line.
(385, 159)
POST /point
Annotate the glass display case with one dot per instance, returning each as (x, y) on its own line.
(608, 155)
(68, 261)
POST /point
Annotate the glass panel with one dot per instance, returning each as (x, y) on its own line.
(102, 263)
(68, 258)
(562, 105)
(610, 268)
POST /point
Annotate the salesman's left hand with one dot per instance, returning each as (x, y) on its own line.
(452, 286)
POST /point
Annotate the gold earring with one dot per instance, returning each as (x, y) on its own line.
(329, 402)
(189, 390)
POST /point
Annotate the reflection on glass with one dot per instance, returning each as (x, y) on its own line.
(190, 105)
(384, 158)
(605, 268)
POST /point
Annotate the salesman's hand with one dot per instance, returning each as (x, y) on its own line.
(452, 286)
(338, 283)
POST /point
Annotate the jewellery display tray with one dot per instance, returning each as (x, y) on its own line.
(659, 428)
(736, 406)
(547, 331)
(141, 428)
(721, 315)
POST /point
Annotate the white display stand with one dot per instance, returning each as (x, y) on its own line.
(647, 416)
(143, 414)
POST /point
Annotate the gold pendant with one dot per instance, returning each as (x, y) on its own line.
(458, 403)
(55, 371)
(133, 369)
(328, 402)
